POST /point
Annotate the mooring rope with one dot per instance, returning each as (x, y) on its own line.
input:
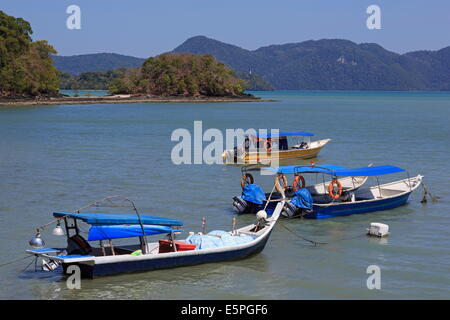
(15, 260)
(33, 261)
(425, 192)
(316, 243)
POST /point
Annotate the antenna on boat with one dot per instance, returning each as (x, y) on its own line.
(234, 226)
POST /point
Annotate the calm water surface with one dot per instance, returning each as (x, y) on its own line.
(62, 157)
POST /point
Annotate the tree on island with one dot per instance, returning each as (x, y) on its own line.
(26, 68)
(172, 74)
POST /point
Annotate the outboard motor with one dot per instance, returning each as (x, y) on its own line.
(290, 210)
(240, 205)
(243, 206)
(300, 205)
(251, 199)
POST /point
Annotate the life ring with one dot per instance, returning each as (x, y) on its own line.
(278, 186)
(297, 178)
(246, 179)
(335, 182)
(268, 145)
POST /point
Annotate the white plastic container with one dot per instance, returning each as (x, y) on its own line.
(378, 229)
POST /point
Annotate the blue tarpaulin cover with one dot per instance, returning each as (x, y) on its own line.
(216, 239)
(369, 171)
(105, 232)
(338, 170)
(253, 193)
(112, 218)
(284, 134)
(303, 199)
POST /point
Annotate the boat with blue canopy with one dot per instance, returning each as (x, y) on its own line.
(266, 147)
(340, 202)
(108, 257)
(253, 198)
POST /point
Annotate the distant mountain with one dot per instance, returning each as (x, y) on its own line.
(75, 65)
(310, 65)
(332, 65)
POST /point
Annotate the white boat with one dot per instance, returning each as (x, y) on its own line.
(254, 199)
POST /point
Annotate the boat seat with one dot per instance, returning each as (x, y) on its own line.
(77, 244)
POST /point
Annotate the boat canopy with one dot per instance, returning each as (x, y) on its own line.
(112, 218)
(284, 134)
(339, 171)
(369, 171)
(116, 231)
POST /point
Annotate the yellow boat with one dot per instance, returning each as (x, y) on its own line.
(267, 148)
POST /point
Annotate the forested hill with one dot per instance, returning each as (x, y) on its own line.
(78, 64)
(332, 65)
(26, 68)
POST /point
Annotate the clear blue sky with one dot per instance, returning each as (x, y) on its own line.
(145, 28)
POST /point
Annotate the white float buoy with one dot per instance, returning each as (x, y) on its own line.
(261, 215)
(378, 229)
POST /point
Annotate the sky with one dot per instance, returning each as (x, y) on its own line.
(144, 28)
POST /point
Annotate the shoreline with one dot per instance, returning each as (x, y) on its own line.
(123, 99)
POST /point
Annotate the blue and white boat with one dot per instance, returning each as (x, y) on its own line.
(285, 185)
(338, 202)
(107, 258)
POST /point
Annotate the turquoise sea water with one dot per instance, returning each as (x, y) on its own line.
(62, 157)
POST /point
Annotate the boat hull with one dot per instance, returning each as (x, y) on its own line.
(95, 270)
(344, 209)
(281, 155)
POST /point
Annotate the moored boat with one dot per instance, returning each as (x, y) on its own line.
(282, 146)
(107, 258)
(253, 198)
(361, 200)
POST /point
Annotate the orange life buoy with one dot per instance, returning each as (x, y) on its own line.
(335, 182)
(297, 178)
(246, 179)
(268, 145)
(280, 188)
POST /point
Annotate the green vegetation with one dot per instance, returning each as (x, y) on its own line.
(332, 65)
(254, 82)
(180, 75)
(26, 67)
(100, 80)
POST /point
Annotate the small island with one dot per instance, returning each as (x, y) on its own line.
(28, 76)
